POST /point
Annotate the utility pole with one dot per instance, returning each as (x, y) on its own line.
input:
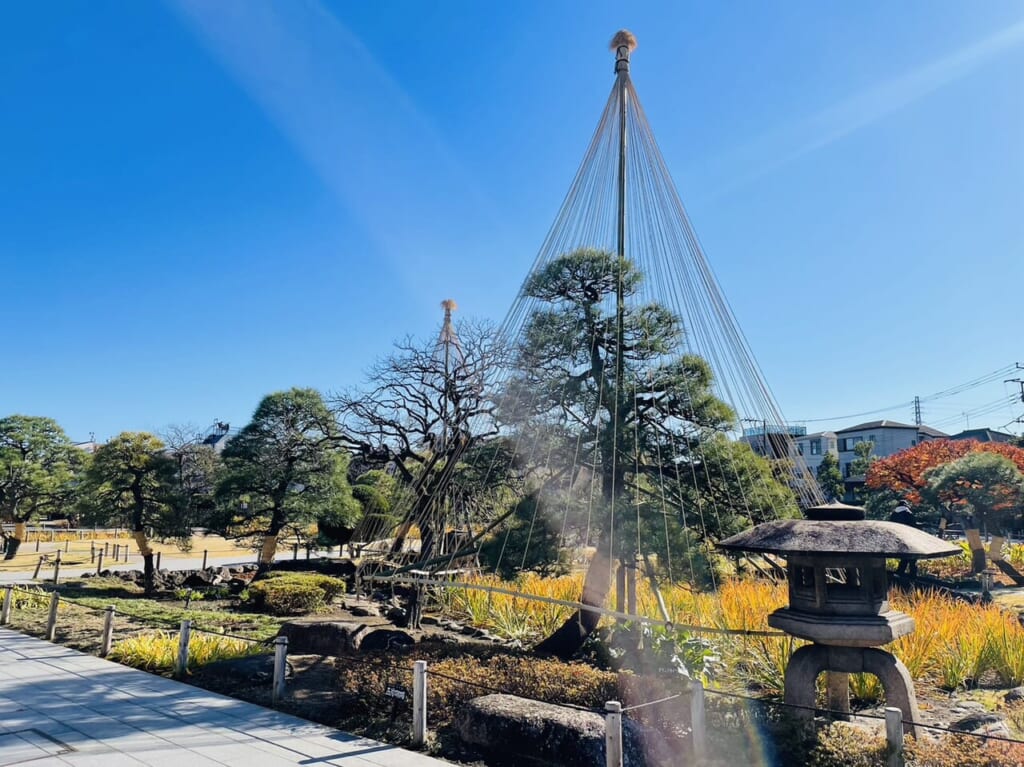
(764, 432)
(917, 410)
(1019, 382)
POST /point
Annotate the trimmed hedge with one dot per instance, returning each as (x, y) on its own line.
(294, 593)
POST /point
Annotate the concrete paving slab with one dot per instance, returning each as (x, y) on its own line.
(62, 708)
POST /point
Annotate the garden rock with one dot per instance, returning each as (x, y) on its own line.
(987, 723)
(397, 615)
(312, 636)
(1016, 695)
(383, 639)
(199, 580)
(521, 731)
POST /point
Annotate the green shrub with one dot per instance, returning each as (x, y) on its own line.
(294, 593)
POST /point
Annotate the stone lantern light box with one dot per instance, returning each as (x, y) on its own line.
(839, 600)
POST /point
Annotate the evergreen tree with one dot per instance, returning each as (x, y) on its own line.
(830, 478)
(284, 469)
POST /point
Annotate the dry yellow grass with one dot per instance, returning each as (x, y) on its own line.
(956, 644)
(78, 551)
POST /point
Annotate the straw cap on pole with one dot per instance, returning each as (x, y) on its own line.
(623, 44)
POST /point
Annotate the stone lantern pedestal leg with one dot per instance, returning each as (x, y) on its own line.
(809, 661)
(837, 685)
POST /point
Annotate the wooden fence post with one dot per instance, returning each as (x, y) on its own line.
(108, 632)
(5, 611)
(39, 566)
(67, 545)
(419, 704)
(56, 568)
(38, 539)
(613, 733)
(51, 619)
(158, 560)
(99, 562)
(698, 729)
(92, 551)
(205, 555)
(106, 547)
(894, 737)
(181, 666)
(280, 669)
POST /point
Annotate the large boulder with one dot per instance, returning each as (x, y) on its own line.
(513, 730)
(316, 636)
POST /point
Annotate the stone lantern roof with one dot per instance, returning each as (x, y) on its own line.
(836, 529)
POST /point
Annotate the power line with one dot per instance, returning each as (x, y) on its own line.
(915, 403)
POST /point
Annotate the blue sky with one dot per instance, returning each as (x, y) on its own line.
(204, 202)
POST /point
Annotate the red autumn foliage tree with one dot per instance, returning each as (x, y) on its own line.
(904, 471)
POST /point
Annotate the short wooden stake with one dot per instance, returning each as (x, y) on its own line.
(5, 611)
(92, 552)
(117, 551)
(419, 704)
(205, 556)
(698, 729)
(38, 539)
(181, 665)
(106, 547)
(127, 552)
(51, 620)
(108, 632)
(280, 668)
(56, 569)
(158, 560)
(39, 566)
(613, 733)
(894, 737)
(99, 562)
(67, 545)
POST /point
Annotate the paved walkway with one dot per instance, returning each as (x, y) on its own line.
(60, 707)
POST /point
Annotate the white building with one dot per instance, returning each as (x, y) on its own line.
(813, 448)
(889, 437)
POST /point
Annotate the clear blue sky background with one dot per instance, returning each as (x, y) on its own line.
(203, 202)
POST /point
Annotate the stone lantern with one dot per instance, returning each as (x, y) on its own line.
(839, 600)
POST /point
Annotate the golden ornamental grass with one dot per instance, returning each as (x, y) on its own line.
(157, 650)
(956, 643)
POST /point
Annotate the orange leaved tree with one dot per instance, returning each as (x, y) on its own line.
(904, 473)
